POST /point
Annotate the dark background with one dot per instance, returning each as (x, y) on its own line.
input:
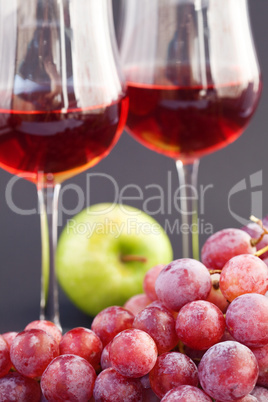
(131, 163)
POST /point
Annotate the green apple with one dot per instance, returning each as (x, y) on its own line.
(104, 252)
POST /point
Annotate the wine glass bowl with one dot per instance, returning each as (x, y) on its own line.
(63, 103)
(193, 77)
(62, 96)
(193, 81)
(188, 122)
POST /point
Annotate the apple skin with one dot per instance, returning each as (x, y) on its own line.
(90, 269)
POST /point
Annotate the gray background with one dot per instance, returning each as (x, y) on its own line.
(132, 163)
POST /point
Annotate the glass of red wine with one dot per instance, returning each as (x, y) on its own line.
(63, 103)
(193, 84)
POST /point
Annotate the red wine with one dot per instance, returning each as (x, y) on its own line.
(61, 143)
(188, 122)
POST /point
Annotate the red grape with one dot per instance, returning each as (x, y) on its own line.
(105, 357)
(261, 355)
(110, 321)
(32, 351)
(149, 281)
(47, 326)
(18, 388)
(5, 363)
(260, 393)
(68, 378)
(171, 370)
(159, 304)
(181, 282)
(225, 244)
(137, 303)
(215, 296)
(113, 387)
(248, 398)
(133, 353)
(9, 337)
(247, 319)
(255, 231)
(160, 325)
(228, 371)
(200, 324)
(242, 274)
(186, 393)
(84, 343)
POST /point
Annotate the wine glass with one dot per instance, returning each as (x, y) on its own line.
(63, 103)
(193, 84)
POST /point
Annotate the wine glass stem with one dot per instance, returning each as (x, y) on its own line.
(188, 204)
(48, 202)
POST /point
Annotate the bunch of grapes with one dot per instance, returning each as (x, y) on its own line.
(199, 333)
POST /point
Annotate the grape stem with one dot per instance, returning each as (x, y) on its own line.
(133, 258)
(261, 251)
(254, 242)
(215, 271)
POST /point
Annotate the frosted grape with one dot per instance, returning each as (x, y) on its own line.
(82, 342)
(5, 363)
(225, 244)
(181, 282)
(133, 353)
(255, 231)
(248, 398)
(200, 325)
(9, 337)
(113, 387)
(186, 393)
(18, 388)
(228, 371)
(32, 351)
(68, 378)
(242, 274)
(261, 355)
(171, 370)
(110, 321)
(149, 281)
(215, 295)
(47, 326)
(260, 393)
(247, 319)
(105, 357)
(160, 325)
(137, 303)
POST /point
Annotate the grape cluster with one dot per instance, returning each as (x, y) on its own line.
(199, 333)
